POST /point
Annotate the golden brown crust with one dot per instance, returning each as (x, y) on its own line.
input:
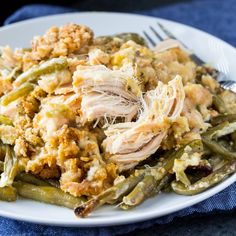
(56, 42)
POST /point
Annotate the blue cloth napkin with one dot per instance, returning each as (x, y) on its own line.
(213, 16)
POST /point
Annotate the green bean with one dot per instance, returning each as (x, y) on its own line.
(10, 168)
(124, 37)
(116, 192)
(222, 118)
(26, 49)
(166, 187)
(110, 195)
(47, 194)
(53, 182)
(16, 93)
(5, 120)
(31, 179)
(157, 176)
(46, 67)
(218, 149)
(216, 161)
(160, 173)
(143, 190)
(225, 143)
(132, 36)
(193, 146)
(163, 183)
(220, 130)
(152, 180)
(2, 152)
(102, 40)
(233, 137)
(27, 177)
(8, 194)
(1, 166)
(205, 182)
(219, 104)
(216, 132)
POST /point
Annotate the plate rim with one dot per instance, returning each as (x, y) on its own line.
(26, 21)
(141, 217)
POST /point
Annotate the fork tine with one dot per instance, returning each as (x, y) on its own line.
(193, 56)
(169, 34)
(228, 84)
(149, 38)
(156, 34)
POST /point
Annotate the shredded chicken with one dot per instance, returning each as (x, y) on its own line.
(9, 65)
(107, 93)
(104, 105)
(10, 110)
(101, 79)
(168, 44)
(135, 141)
(8, 60)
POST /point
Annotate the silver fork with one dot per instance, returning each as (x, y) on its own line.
(220, 77)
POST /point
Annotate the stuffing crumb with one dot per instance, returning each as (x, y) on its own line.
(56, 42)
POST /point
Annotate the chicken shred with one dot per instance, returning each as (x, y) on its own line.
(136, 141)
(107, 93)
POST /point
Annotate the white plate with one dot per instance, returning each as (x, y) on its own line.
(218, 53)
